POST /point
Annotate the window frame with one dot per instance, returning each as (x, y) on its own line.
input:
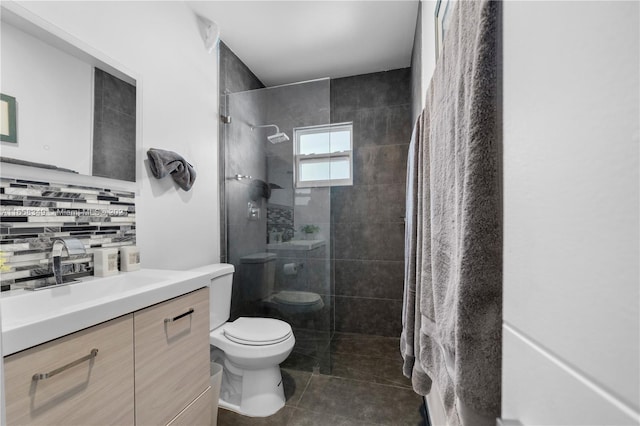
(300, 158)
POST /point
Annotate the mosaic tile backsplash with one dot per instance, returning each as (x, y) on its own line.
(33, 214)
(279, 218)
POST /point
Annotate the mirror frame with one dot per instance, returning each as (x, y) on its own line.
(27, 21)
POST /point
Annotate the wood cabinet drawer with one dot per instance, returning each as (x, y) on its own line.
(95, 391)
(198, 413)
(171, 356)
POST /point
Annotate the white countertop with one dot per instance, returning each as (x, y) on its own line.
(30, 318)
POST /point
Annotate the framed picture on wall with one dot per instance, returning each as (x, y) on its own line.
(8, 125)
(442, 18)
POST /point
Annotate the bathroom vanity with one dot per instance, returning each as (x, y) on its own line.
(110, 351)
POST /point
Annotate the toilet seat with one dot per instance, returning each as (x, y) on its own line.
(297, 298)
(257, 331)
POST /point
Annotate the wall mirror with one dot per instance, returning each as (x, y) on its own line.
(75, 108)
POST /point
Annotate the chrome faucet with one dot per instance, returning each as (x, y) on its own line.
(72, 246)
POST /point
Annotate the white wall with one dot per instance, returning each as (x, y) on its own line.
(54, 93)
(428, 60)
(160, 42)
(571, 197)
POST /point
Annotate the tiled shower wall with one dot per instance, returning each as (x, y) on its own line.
(33, 213)
(368, 217)
(234, 76)
(242, 154)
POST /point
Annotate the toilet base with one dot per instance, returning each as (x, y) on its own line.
(253, 393)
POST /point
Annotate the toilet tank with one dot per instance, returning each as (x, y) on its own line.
(257, 275)
(220, 285)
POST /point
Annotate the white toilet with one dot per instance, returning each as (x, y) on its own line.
(250, 350)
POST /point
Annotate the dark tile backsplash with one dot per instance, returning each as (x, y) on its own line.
(34, 213)
(367, 219)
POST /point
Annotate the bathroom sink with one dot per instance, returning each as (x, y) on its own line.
(30, 318)
(47, 282)
(297, 245)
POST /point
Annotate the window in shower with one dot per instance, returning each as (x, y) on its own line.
(323, 155)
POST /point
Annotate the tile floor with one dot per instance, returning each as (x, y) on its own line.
(366, 387)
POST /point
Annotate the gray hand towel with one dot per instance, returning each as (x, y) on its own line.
(163, 163)
(260, 189)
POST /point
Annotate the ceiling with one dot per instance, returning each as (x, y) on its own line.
(290, 41)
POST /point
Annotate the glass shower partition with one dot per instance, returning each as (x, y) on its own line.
(278, 233)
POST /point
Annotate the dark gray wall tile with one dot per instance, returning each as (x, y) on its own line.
(378, 126)
(382, 317)
(369, 278)
(234, 74)
(371, 90)
(368, 217)
(399, 125)
(380, 164)
(387, 203)
(368, 203)
(318, 276)
(369, 241)
(350, 204)
(380, 347)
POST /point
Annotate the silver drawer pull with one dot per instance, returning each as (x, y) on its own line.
(168, 320)
(42, 376)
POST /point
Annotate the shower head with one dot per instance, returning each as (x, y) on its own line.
(278, 137)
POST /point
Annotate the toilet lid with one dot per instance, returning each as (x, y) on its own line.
(257, 331)
(297, 297)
